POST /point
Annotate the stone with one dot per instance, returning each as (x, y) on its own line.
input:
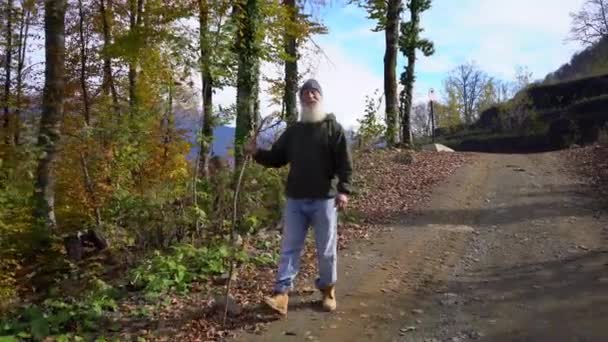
(234, 309)
(436, 148)
(407, 329)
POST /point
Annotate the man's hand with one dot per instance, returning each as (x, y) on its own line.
(251, 147)
(341, 201)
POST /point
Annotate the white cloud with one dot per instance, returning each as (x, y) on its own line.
(345, 84)
(438, 63)
(359, 34)
(497, 34)
(502, 34)
(538, 17)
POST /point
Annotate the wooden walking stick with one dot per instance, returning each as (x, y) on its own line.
(237, 191)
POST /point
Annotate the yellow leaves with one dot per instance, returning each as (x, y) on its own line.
(145, 164)
(179, 173)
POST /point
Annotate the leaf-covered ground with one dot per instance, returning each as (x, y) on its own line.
(388, 185)
(591, 163)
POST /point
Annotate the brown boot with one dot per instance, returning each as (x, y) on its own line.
(278, 302)
(329, 298)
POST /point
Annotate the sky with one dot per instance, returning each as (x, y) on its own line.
(498, 35)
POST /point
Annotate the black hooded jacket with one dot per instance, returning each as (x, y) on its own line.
(318, 156)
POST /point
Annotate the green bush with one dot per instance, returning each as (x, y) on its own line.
(56, 317)
(16, 189)
(185, 264)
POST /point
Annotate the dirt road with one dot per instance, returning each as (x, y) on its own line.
(508, 249)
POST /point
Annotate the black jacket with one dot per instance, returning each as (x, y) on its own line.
(318, 156)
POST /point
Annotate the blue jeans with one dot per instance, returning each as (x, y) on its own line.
(322, 215)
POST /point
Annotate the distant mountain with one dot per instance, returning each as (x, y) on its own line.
(223, 136)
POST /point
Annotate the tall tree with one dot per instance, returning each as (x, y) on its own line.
(52, 111)
(489, 95)
(286, 27)
(391, 35)
(8, 65)
(590, 23)
(469, 82)
(206, 86)
(409, 43)
(247, 14)
(291, 62)
(449, 113)
(386, 13)
(215, 65)
(83, 42)
(135, 16)
(27, 7)
(108, 84)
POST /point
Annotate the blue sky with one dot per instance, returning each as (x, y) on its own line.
(497, 34)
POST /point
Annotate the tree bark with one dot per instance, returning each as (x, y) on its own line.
(88, 182)
(410, 42)
(108, 85)
(207, 89)
(83, 66)
(8, 137)
(132, 70)
(390, 66)
(24, 28)
(247, 74)
(167, 125)
(408, 89)
(135, 17)
(291, 66)
(52, 112)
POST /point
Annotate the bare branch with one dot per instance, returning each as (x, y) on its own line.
(590, 24)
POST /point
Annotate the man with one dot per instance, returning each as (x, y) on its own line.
(317, 186)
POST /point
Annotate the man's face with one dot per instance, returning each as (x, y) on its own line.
(310, 97)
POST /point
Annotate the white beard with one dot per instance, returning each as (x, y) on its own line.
(312, 113)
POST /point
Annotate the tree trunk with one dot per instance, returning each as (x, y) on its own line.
(90, 188)
(88, 182)
(8, 137)
(247, 74)
(291, 66)
(407, 107)
(24, 28)
(410, 45)
(168, 123)
(132, 63)
(207, 89)
(83, 66)
(52, 112)
(135, 17)
(465, 98)
(402, 116)
(108, 85)
(390, 66)
(140, 11)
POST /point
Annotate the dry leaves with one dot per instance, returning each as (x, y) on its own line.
(387, 190)
(590, 163)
